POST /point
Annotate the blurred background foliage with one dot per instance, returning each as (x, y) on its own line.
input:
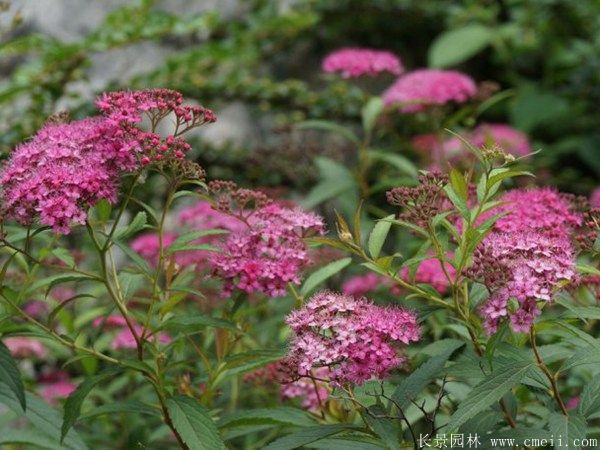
(257, 64)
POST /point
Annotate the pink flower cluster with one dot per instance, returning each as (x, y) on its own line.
(62, 171)
(508, 138)
(430, 272)
(356, 62)
(311, 389)
(526, 256)
(24, 347)
(595, 198)
(361, 285)
(354, 338)
(127, 109)
(55, 385)
(417, 90)
(269, 252)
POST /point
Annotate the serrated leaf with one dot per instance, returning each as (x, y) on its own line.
(266, 416)
(323, 274)
(194, 424)
(134, 407)
(569, 429)
(378, 235)
(412, 385)
(306, 436)
(43, 418)
(589, 401)
(73, 403)
(455, 46)
(10, 375)
(491, 390)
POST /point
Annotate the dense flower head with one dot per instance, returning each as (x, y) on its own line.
(430, 271)
(269, 252)
(417, 90)
(508, 138)
(127, 110)
(354, 338)
(527, 256)
(62, 171)
(25, 347)
(356, 62)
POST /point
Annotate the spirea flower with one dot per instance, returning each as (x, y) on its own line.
(63, 170)
(55, 385)
(508, 138)
(356, 62)
(148, 245)
(268, 253)
(360, 285)
(595, 198)
(527, 256)
(417, 90)
(354, 338)
(311, 389)
(25, 347)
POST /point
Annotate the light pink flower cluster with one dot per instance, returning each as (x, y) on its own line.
(354, 338)
(508, 138)
(55, 385)
(360, 285)
(356, 62)
(430, 272)
(311, 390)
(269, 252)
(148, 245)
(417, 90)
(24, 347)
(62, 171)
(526, 256)
(127, 109)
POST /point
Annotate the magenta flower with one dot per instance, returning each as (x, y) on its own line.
(25, 347)
(62, 171)
(112, 321)
(421, 88)
(508, 138)
(361, 285)
(148, 245)
(527, 256)
(55, 385)
(268, 253)
(356, 62)
(354, 338)
(311, 390)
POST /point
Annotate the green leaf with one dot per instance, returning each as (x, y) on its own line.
(371, 112)
(134, 407)
(585, 356)
(194, 424)
(459, 184)
(323, 274)
(386, 428)
(493, 180)
(456, 46)
(65, 256)
(136, 258)
(10, 376)
(43, 418)
(458, 202)
(103, 210)
(51, 281)
(192, 324)
(402, 163)
(335, 180)
(28, 437)
(590, 397)
(587, 269)
(568, 428)
(489, 391)
(137, 224)
(329, 126)
(412, 385)
(266, 416)
(73, 403)
(306, 436)
(183, 241)
(378, 235)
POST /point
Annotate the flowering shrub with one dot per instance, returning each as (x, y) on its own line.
(210, 315)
